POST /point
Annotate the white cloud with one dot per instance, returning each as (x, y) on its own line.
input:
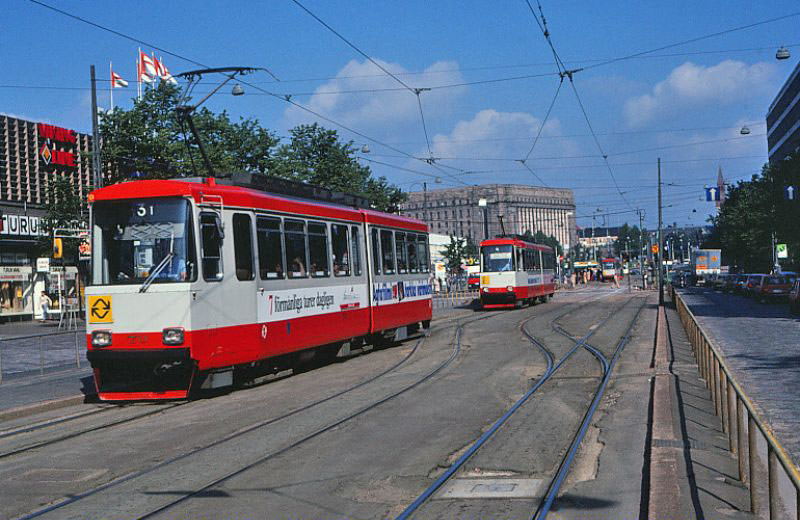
(691, 85)
(374, 111)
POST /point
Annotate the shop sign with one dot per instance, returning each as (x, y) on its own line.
(15, 274)
(42, 265)
(20, 225)
(49, 152)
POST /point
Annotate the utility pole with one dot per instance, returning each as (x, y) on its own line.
(98, 174)
(628, 255)
(641, 246)
(660, 241)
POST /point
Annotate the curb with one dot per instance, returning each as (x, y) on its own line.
(44, 406)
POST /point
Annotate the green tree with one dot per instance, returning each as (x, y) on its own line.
(753, 212)
(151, 141)
(316, 155)
(548, 240)
(65, 210)
(454, 254)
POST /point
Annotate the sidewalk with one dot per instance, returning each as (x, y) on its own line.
(31, 327)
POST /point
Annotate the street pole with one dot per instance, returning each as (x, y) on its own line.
(641, 246)
(660, 241)
(628, 255)
(425, 200)
(98, 176)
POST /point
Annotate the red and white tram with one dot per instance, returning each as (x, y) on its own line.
(611, 269)
(196, 281)
(514, 272)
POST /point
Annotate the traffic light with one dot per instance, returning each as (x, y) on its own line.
(58, 248)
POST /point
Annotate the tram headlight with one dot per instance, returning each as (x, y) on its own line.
(172, 336)
(485, 289)
(510, 288)
(101, 338)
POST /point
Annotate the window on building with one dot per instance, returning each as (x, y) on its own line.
(296, 253)
(318, 249)
(271, 264)
(387, 248)
(243, 247)
(355, 250)
(340, 250)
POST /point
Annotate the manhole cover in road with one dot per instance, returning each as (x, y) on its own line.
(59, 475)
(491, 488)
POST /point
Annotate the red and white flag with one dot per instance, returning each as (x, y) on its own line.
(117, 81)
(162, 71)
(147, 68)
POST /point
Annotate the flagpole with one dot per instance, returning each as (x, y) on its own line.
(111, 85)
(138, 76)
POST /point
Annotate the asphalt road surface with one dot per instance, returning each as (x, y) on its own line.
(364, 438)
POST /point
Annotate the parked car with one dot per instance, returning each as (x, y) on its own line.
(794, 297)
(719, 281)
(774, 287)
(730, 282)
(753, 284)
(741, 282)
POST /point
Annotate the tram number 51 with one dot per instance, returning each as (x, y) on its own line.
(143, 210)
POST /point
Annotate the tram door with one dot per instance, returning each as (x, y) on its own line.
(240, 291)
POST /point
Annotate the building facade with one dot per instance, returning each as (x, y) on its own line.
(783, 119)
(32, 155)
(457, 211)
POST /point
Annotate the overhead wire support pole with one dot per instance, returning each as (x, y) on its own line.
(660, 241)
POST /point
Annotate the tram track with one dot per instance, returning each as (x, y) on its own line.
(267, 422)
(163, 408)
(551, 369)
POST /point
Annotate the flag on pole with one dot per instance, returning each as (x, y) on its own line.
(162, 71)
(147, 69)
(117, 81)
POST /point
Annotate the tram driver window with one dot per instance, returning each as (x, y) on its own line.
(243, 247)
(341, 254)
(411, 249)
(271, 264)
(387, 248)
(296, 257)
(318, 249)
(210, 232)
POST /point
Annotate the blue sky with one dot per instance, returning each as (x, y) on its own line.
(685, 104)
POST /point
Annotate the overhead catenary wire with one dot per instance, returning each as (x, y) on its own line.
(286, 99)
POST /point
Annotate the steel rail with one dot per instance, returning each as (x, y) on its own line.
(549, 371)
(454, 353)
(566, 462)
(720, 380)
(236, 434)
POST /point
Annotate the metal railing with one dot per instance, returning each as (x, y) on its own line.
(452, 299)
(64, 359)
(733, 406)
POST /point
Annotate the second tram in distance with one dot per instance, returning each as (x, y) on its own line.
(610, 269)
(515, 272)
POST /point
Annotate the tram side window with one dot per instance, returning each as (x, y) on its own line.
(411, 248)
(270, 248)
(341, 255)
(402, 258)
(296, 257)
(376, 252)
(211, 246)
(520, 265)
(243, 247)
(318, 249)
(355, 250)
(422, 254)
(387, 248)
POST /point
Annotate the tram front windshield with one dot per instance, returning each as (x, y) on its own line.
(135, 238)
(497, 259)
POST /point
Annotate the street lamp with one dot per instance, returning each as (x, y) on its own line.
(483, 203)
(782, 54)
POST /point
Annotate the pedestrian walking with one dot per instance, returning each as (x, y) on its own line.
(46, 302)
